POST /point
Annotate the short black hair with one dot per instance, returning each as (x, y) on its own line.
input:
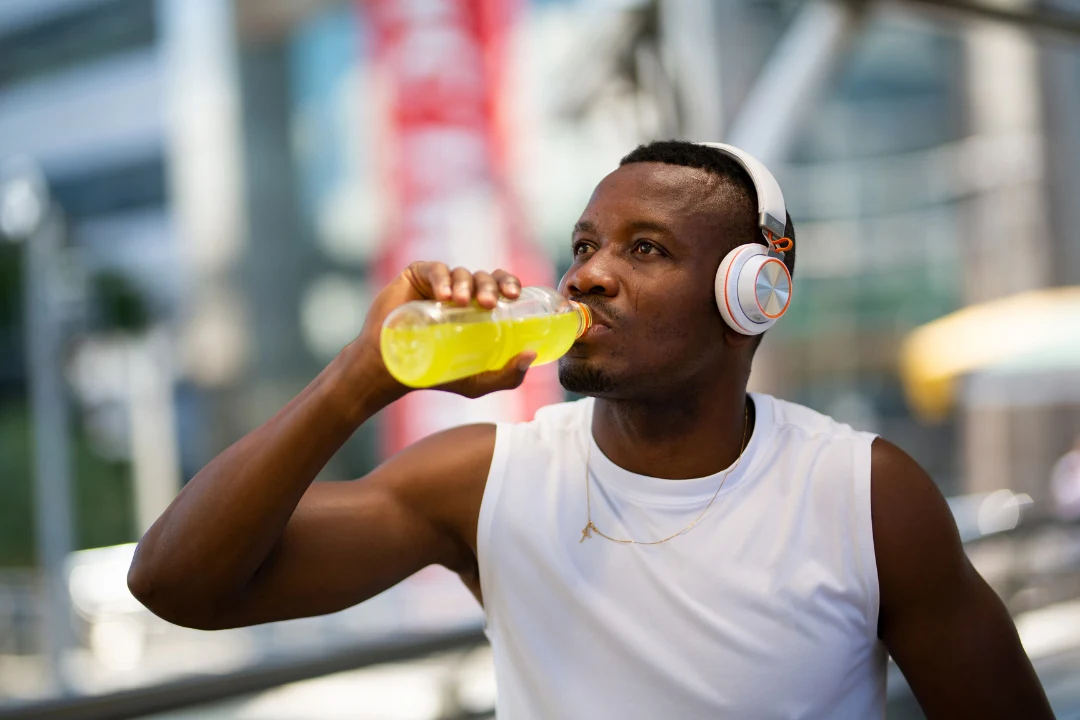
(692, 155)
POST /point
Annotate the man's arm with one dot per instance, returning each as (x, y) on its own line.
(349, 541)
(948, 631)
(250, 539)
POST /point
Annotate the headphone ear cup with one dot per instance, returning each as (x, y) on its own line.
(740, 269)
(765, 288)
(721, 284)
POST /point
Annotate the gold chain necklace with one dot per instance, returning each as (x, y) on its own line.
(590, 526)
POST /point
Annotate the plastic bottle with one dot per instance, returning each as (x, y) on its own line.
(426, 343)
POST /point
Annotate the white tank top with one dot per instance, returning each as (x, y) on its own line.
(766, 609)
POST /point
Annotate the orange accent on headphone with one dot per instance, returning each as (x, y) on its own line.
(781, 245)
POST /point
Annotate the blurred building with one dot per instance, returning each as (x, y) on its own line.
(80, 91)
(931, 176)
(928, 165)
(224, 158)
(222, 167)
(233, 200)
(164, 129)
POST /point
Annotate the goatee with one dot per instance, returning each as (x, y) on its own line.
(583, 378)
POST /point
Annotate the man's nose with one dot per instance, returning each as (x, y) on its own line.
(592, 277)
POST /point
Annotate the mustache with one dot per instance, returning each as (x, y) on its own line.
(602, 310)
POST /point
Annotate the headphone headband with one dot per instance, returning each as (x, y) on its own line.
(753, 285)
(772, 213)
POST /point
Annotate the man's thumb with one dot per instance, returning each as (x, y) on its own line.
(524, 360)
(515, 370)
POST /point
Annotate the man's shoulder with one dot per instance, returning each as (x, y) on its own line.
(810, 422)
(561, 416)
(552, 427)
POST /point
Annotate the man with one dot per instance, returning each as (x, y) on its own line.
(670, 547)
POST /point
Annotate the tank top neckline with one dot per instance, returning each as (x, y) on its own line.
(663, 491)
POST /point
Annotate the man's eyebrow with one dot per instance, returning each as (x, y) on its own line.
(635, 226)
(647, 226)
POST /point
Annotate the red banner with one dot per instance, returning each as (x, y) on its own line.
(441, 69)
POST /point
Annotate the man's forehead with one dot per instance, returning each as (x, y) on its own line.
(671, 192)
(659, 178)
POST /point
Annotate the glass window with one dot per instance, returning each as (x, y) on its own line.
(77, 37)
(117, 188)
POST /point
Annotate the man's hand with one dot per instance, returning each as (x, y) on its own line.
(435, 281)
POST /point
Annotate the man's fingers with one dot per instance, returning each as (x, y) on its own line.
(437, 281)
(509, 285)
(462, 282)
(437, 276)
(487, 291)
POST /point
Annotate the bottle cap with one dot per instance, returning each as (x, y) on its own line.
(586, 317)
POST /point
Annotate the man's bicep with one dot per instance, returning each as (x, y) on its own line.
(946, 628)
(918, 549)
(349, 541)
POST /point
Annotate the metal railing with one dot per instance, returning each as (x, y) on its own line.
(203, 689)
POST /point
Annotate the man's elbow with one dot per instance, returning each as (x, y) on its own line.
(177, 603)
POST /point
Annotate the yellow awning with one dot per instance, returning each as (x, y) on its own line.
(1032, 331)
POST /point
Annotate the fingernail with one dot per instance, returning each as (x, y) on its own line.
(525, 362)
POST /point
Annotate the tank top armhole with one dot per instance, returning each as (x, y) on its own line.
(496, 473)
(864, 525)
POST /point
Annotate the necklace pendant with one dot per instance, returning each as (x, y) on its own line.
(587, 532)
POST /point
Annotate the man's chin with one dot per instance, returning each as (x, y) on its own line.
(583, 377)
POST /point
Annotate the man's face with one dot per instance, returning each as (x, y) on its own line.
(646, 250)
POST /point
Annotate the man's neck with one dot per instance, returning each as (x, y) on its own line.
(697, 435)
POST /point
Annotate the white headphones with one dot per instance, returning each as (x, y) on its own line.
(753, 285)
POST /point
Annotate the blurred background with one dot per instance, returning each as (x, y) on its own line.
(198, 198)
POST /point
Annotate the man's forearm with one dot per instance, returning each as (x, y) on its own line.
(221, 527)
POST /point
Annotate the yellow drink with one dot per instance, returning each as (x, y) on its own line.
(429, 355)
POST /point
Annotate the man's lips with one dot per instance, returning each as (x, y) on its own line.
(599, 317)
(601, 322)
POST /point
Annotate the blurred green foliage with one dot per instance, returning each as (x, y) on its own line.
(10, 284)
(16, 493)
(101, 496)
(119, 304)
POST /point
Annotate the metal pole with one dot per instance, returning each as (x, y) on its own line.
(50, 416)
(692, 48)
(154, 453)
(798, 68)
(1037, 17)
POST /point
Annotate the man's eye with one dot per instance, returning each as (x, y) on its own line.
(648, 248)
(580, 248)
